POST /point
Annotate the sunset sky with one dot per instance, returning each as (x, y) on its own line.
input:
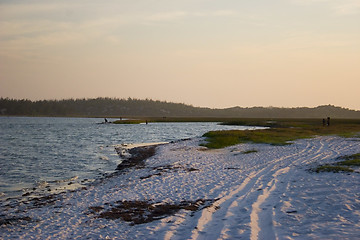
(211, 53)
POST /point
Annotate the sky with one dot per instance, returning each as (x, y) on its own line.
(208, 53)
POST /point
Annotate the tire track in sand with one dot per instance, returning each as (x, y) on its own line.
(262, 223)
(247, 210)
(264, 210)
(255, 195)
(211, 221)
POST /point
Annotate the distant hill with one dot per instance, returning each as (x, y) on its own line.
(110, 107)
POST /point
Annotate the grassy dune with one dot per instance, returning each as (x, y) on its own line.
(281, 131)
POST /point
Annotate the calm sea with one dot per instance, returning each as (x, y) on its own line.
(36, 152)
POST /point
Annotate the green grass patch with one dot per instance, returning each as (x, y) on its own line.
(250, 151)
(331, 168)
(342, 166)
(281, 131)
(350, 160)
(354, 162)
(350, 157)
(275, 136)
(133, 121)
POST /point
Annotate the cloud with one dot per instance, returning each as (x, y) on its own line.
(218, 13)
(25, 40)
(314, 41)
(339, 7)
(33, 9)
(349, 8)
(167, 16)
(12, 29)
(174, 15)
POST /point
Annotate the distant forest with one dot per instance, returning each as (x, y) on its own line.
(112, 107)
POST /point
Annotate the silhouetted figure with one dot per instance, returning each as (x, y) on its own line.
(146, 121)
(324, 122)
(328, 121)
(106, 121)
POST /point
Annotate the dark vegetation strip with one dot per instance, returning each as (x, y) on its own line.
(14, 220)
(139, 212)
(137, 157)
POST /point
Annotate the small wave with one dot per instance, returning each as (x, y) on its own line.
(42, 184)
(103, 158)
(67, 180)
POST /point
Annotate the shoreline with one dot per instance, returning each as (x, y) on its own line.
(132, 155)
(188, 191)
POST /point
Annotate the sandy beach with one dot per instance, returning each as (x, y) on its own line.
(185, 191)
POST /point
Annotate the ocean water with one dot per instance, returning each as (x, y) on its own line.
(38, 152)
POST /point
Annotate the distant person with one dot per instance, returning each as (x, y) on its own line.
(324, 122)
(328, 121)
(106, 121)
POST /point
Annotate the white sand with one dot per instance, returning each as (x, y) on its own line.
(269, 194)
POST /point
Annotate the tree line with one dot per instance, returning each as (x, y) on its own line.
(113, 107)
